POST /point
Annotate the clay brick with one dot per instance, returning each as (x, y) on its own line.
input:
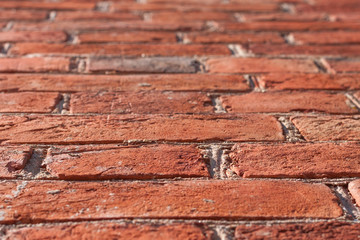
(287, 102)
(330, 6)
(13, 160)
(118, 128)
(300, 160)
(22, 15)
(128, 162)
(160, 82)
(47, 5)
(208, 199)
(110, 230)
(328, 128)
(214, 37)
(309, 81)
(165, 16)
(314, 231)
(357, 95)
(354, 189)
(340, 37)
(120, 49)
(282, 17)
(32, 37)
(128, 37)
(82, 15)
(29, 102)
(35, 64)
(259, 65)
(144, 65)
(142, 103)
(344, 65)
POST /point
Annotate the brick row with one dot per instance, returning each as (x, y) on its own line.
(35, 64)
(29, 36)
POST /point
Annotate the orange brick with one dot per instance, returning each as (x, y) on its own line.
(46, 5)
(344, 65)
(22, 15)
(170, 16)
(354, 188)
(35, 64)
(128, 37)
(82, 15)
(340, 37)
(13, 160)
(29, 36)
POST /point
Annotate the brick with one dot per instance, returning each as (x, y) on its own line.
(22, 15)
(213, 37)
(29, 36)
(354, 189)
(315, 231)
(287, 102)
(119, 128)
(127, 162)
(216, 199)
(340, 37)
(309, 81)
(144, 65)
(300, 160)
(30, 102)
(170, 16)
(357, 95)
(285, 17)
(259, 65)
(46, 5)
(120, 49)
(128, 37)
(330, 6)
(82, 15)
(328, 128)
(160, 82)
(13, 160)
(110, 230)
(141, 103)
(344, 65)
(35, 64)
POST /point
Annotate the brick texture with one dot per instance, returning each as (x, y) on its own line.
(13, 160)
(36, 64)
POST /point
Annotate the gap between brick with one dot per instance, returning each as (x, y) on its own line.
(355, 102)
(33, 166)
(291, 133)
(350, 210)
(217, 104)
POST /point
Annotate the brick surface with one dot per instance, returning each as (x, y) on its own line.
(13, 160)
(145, 102)
(328, 128)
(183, 199)
(81, 15)
(340, 37)
(316, 231)
(46, 5)
(35, 64)
(259, 65)
(137, 162)
(171, 16)
(287, 102)
(354, 188)
(118, 128)
(32, 36)
(22, 15)
(128, 37)
(28, 102)
(300, 160)
(109, 230)
(345, 66)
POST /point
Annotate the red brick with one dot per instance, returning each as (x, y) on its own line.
(309, 81)
(168, 82)
(170, 16)
(328, 128)
(208, 199)
(128, 162)
(46, 5)
(301, 160)
(22, 15)
(344, 65)
(330, 6)
(32, 37)
(357, 95)
(340, 37)
(128, 37)
(118, 128)
(35, 64)
(82, 15)
(299, 231)
(110, 230)
(120, 49)
(30, 102)
(283, 17)
(13, 160)
(287, 102)
(354, 189)
(142, 103)
(259, 65)
(213, 37)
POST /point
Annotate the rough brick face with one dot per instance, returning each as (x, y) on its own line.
(34, 64)
(128, 37)
(28, 36)
(13, 160)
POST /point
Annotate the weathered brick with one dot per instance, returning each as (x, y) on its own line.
(300, 231)
(160, 82)
(282, 17)
(119, 128)
(128, 37)
(300, 160)
(259, 65)
(13, 160)
(29, 102)
(120, 49)
(357, 95)
(215, 199)
(330, 6)
(142, 103)
(285, 101)
(29, 36)
(354, 189)
(22, 15)
(309, 81)
(144, 65)
(35, 64)
(127, 162)
(345, 65)
(170, 16)
(340, 37)
(81, 15)
(47, 5)
(328, 128)
(110, 230)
